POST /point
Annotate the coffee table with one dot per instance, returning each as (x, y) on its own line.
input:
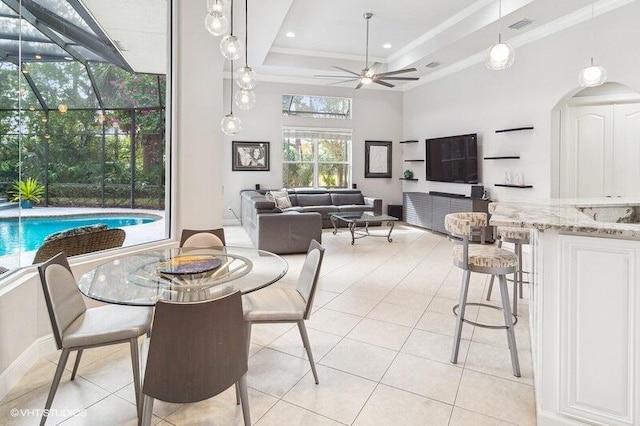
(362, 220)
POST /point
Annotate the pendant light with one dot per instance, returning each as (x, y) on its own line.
(245, 76)
(230, 46)
(216, 21)
(499, 56)
(245, 99)
(592, 75)
(231, 124)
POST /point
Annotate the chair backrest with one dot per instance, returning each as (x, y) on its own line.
(64, 301)
(202, 238)
(308, 278)
(197, 350)
(461, 224)
(74, 245)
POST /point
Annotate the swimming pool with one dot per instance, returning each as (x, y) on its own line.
(29, 233)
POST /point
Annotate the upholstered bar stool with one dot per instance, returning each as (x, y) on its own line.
(518, 237)
(483, 259)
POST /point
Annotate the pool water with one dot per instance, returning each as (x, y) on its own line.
(29, 233)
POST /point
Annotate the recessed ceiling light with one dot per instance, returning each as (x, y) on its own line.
(290, 34)
(387, 46)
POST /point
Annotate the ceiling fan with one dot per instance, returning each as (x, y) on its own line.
(368, 75)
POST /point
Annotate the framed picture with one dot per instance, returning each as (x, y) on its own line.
(250, 156)
(377, 159)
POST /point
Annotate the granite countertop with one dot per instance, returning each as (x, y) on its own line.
(616, 217)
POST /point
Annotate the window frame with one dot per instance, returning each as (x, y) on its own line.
(317, 114)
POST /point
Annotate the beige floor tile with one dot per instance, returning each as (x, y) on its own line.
(360, 358)
(408, 298)
(390, 406)
(451, 289)
(161, 409)
(497, 361)
(428, 378)
(444, 305)
(384, 334)
(322, 297)
(109, 411)
(339, 396)
(443, 324)
(274, 373)
(264, 334)
(352, 305)
(364, 289)
(434, 346)
(112, 372)
(499, 337)
(291, 343)
(333, 322)
(222, 410)
(285, 413)
(462, 417)
(495, 397)
(396, 314)
(41, 374)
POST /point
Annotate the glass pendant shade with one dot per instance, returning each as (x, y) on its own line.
(230, 47)
(217, 6)
(216, 23)
(231, 124)
(500, 56)
(593, 75)
(245, 99)
(246, 78)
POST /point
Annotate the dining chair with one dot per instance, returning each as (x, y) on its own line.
(76, 328)
(78, 241)
(202, 238)
(282, 305)
(197, 350)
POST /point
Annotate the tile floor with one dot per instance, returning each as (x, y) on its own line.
(381, 335)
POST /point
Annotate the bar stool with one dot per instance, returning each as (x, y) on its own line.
(518, 237)
(483, 259)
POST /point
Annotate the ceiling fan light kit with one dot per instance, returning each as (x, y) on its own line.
(368, 74)
(592, 75)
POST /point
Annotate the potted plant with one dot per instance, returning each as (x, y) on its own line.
(408, 174)
(27, 192)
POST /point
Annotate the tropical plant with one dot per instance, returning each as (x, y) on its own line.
(27, 190)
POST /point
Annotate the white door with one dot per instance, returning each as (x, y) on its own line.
(626, 150)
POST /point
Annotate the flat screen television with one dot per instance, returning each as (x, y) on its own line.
(453, 159)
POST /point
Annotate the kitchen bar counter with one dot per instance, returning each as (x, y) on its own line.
(584, 310)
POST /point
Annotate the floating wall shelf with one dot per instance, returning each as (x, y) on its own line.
(414, 160)
(513, 186)
(411, 141)
(408, 179)
(515, 129)
(503, 158)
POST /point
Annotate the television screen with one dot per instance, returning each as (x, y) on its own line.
(453, 159)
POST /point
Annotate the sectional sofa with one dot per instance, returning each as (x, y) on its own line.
(289, 230)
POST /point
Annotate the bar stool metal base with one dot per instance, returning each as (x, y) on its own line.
(479, 324)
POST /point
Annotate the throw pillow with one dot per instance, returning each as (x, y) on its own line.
(283, 202)
(283, 195)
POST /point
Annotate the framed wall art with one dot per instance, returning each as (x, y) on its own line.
(377, 159)
(250, 156)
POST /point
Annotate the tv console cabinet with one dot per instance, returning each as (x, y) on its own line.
(428, 210)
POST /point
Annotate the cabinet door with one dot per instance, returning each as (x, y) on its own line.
(441, 208)
(626, 150)
(417, 209)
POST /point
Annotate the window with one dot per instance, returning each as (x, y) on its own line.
(316, 106)
(316, 158)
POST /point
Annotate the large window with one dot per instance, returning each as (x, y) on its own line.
(316, 158)
(316, 106)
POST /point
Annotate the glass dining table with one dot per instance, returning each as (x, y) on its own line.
(182, 274)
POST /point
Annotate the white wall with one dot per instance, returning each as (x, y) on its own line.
(480, 100)
(377, 115)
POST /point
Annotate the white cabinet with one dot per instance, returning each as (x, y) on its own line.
(600, 151)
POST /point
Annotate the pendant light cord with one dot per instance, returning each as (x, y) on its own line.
(367, 48)
(593, 30)
(231, 90)
(231, 13)
(246, 33)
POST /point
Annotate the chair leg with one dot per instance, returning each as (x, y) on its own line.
(244, 397)
(76, 364)
(492, 276)
(307, 346)
(135, 363)
(520, 273)
(508, 321)
(147, 410)
(62, 362)
(247, 332)
(462, 304)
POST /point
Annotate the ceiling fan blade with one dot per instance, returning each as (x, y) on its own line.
(374, 67)
(346, 70)
(336, 76)
(384, 74)
(343, 81)
(359, 84)
(383, 83)
(398, 78)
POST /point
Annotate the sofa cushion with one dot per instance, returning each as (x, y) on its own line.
(325, 211)
(283, 202)
(314, 200)
(355, 208)
(344, 199)
(280, 198)
(293, 209)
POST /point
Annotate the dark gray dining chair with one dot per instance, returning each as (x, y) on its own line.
(202, 238)
(76, 328)
(282, 305)
(197, 351)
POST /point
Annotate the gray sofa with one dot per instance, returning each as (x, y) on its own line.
(291, 230)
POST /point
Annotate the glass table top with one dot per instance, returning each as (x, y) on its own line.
(363, 217)
(182, 274)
